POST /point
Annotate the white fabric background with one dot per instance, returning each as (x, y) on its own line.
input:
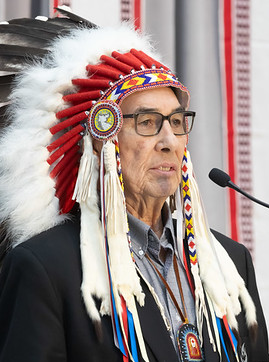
(260, 142)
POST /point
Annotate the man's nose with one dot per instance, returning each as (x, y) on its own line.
(167, 141)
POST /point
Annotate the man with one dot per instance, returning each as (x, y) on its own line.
(82, 283)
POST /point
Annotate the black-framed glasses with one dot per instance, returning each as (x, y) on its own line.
(150, 123)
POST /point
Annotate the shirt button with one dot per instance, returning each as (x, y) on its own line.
(141, 252)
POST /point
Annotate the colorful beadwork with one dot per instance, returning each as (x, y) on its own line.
(188, 344)
(105, 120)
(118, 163)
(141, 80)
(188, 211)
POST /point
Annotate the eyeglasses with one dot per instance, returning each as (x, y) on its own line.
(150, 123)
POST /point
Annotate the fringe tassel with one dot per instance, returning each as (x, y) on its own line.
(215, 327)
(138, 331)
(116, 217)
(87, 170)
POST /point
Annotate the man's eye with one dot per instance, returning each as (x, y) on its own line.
(177, 122)
(145, 122)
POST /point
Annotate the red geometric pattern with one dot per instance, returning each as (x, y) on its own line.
(237, 101)
(243, 119)
(188, 207)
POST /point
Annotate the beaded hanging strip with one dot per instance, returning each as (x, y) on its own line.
(119, 170)
(188, 211)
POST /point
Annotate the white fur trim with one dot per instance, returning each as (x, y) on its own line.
(93, 260)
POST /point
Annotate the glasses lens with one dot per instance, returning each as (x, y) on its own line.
(181, 123)
(147, 124)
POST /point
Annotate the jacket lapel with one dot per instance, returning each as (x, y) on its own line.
(154, 330)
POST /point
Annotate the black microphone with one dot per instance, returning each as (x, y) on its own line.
(222, 179)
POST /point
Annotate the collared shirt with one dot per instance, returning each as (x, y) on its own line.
(144, 240)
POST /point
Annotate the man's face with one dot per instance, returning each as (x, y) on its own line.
(151, 166)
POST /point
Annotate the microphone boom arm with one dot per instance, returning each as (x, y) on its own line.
(236, 188)
(222, 179)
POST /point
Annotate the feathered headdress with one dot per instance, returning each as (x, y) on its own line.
(58, 104)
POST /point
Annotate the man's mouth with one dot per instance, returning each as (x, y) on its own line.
(161, 168)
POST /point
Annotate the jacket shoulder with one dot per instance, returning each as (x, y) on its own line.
(57, 250)
(63, 239)
(233, 248)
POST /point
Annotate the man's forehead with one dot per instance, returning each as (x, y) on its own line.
(151, 100)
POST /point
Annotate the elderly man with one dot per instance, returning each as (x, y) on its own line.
(99, 270)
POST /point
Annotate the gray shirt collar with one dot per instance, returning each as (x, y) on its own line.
(140, 234)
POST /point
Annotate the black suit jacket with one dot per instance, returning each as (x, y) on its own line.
(43, 318)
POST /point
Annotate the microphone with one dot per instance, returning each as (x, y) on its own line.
(222, 179)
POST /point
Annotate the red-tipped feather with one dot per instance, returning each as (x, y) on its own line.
(129, 59)
(92, 83)
(73, 110)
(65, 137)
(65, 185)
(67, 204)
(65, 195)
(68, 156)
(64, 149)
(104, 71)
(147, 59)
(124, 68)
(65, 172)
(68, 122)
(82, 96)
